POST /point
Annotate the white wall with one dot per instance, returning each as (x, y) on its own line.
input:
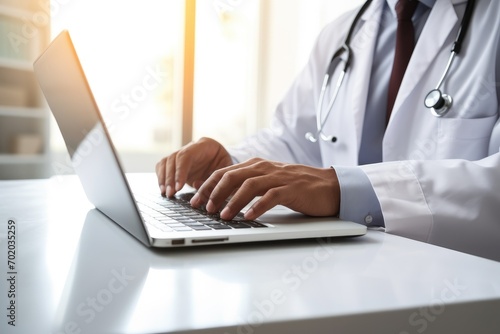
(288, 31)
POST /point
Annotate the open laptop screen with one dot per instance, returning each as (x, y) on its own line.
(94, 159)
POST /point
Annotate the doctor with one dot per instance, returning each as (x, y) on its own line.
(431, 174)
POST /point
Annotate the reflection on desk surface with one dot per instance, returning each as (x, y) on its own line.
(117, 285)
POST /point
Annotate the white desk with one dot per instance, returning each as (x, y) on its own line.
(77, 272)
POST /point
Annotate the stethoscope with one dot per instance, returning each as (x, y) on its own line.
(438, 102)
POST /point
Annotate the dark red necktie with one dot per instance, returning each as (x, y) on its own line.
(405, 42)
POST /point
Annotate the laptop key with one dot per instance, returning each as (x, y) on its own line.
(175, 225)
(254, 223)
(219, 226)
(208, 221)
(165, 228)
(166, 219)
(182, 229)
(200, 227)
(190, 224)
(177, 214)
(237, 224)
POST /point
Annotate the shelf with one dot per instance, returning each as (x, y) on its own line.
(23, 34)
(24, 115)
(23, 112)
(22, 159)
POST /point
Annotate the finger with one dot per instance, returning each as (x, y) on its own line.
(264, 184)
(268, 201)
(182, 168)
(170, 174)
(250, 188)
(205, 190)
(160, 173)
(197, 184)
(214, 201)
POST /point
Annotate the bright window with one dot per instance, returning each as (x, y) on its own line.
(226, 69)
(247, 52)
(132, 53)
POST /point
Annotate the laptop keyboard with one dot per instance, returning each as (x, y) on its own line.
(177, 215)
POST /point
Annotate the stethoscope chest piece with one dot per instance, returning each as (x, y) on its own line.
(438, 103)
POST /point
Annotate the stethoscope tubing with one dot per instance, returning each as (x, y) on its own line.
(444, 101)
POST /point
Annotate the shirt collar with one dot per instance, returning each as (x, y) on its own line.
(392, 4)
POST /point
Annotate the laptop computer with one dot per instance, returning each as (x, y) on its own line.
(152, 219)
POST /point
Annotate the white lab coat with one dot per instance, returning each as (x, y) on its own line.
(439, 181)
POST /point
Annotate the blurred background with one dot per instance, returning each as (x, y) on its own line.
(213, 68)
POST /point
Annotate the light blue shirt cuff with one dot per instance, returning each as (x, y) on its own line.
(358, 202)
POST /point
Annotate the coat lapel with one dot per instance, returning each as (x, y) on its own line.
(440, 23)
(362, 48)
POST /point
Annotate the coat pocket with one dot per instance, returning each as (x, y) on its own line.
(464, 138)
